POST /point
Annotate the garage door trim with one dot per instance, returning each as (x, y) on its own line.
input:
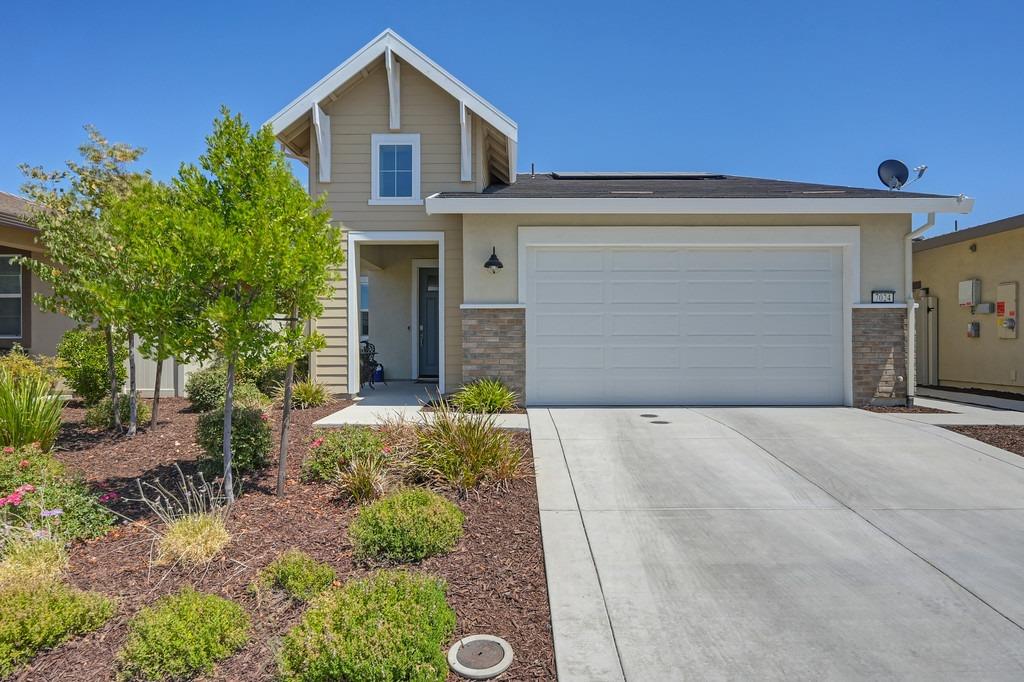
(845, 237)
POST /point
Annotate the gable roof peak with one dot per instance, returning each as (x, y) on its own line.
(389, 40)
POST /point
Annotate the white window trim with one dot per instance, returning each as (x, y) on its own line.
(376, 140)
(20, 296)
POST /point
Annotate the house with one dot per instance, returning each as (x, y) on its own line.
(21, 321)
(612, 288)
(967, 283)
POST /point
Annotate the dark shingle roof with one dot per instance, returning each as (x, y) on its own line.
(14, 211)
(670, 186)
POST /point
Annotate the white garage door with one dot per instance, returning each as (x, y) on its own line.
(681, 325)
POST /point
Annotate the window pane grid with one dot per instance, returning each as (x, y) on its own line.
(395, 170)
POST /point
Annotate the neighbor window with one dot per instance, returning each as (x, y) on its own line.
(10, 297)
(395, 161)
(364, 308)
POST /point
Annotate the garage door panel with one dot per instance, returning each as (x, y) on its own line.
(682, 325)
(643, 292)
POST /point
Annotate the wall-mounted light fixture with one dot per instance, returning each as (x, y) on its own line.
(493, 263)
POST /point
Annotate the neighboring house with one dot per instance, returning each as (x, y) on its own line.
(21, 321)
(967, 284)
(37, 331)
(617, 288)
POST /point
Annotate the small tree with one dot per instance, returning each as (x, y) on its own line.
(243, 214)
(153, 295)
(80, 250)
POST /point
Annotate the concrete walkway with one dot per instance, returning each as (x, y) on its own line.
(780, 544)
(962, 413)
(403, 399)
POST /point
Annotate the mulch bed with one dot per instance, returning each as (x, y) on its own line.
(495, 577)
(1006, 437)
(903, 409)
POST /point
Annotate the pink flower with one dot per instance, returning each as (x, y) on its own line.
(317, 443)
(265, 416)
(24, 464)
(109, 497)
(8, 450)
(27, 488)
(14, 499)
(387, 450)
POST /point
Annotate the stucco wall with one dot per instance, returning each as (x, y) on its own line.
(357, 113)
(986, 361)
(881, 245)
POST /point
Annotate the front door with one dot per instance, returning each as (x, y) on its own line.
(429, 302)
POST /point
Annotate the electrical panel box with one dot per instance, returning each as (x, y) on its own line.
(984, 308)
(973, 330)
(1006, 310)
(969, 293)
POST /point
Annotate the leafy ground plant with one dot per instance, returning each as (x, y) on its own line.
(181, 636)
(390, 626)
(37, 495)
(408, 525)
(41, 616)
(332, 449)
(363, 478)
(464, 449)
(193, 540)
(30, 411)
(19, 365)
(301, 576)
(251, 440)
(485, 395)
(205, 388)
(101, 416)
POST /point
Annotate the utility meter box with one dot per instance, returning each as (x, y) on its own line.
(1006, 310)
(969, 293)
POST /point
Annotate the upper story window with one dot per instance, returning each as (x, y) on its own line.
(10, 298)
(396, 169)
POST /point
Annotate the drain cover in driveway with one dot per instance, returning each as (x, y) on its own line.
(656, 421)
(648, 416)
(480, 657)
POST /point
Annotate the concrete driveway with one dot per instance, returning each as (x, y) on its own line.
(778, 543)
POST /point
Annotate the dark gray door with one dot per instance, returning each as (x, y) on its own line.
(429, 302)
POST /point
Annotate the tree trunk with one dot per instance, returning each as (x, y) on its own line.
(112, 373)
(286, 415)
(154, 420)
(133, 394)
(229, 400)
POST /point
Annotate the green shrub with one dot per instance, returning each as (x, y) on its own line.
(37, 493)
(44, 615)
(251, 440)
(193, 539)
(30, 411)
(101, 416)
(485, 395)
(182, 636)
(298, 574)
(205, 388)
(408, 525)
(389, 627)
(265, 375)
(465, 449)
(306, 394)
(83, 363)
(28, 562)
(17, 363)
(333, 448)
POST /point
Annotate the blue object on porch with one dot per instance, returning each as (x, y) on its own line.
(378, 375)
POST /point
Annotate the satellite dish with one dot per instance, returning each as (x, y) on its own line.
(893, 174)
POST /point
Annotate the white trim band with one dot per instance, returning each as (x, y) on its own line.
(494, 306)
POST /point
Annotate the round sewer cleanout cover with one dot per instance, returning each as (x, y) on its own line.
(480, 657)
(659, 422)
(648, 416)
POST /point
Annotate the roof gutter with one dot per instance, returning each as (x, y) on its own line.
(908, 288)
(483, 204)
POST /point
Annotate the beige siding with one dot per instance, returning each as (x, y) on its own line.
(360, 111)
(986, 361)
(882, 243)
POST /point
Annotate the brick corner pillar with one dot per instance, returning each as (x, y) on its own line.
(494, 346)
(879, 356)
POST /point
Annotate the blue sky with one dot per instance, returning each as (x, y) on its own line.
(806, 91)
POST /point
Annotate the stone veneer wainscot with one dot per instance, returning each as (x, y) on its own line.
(879, 356)
(494, 346)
